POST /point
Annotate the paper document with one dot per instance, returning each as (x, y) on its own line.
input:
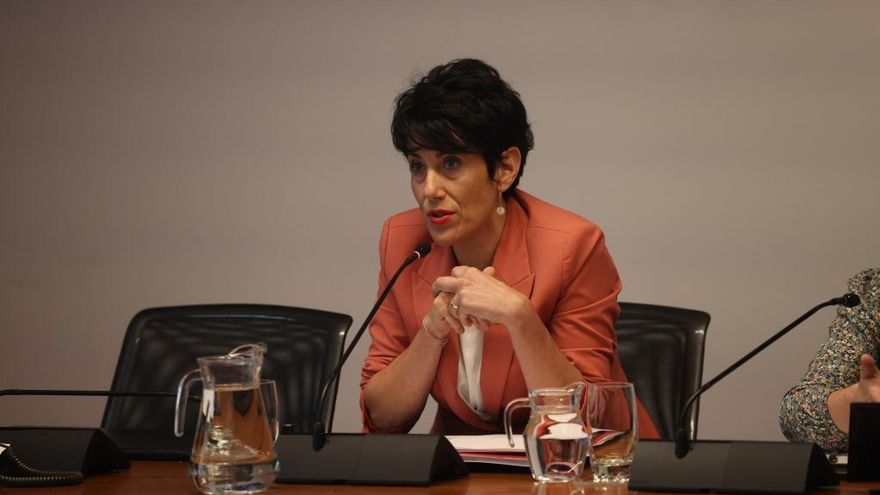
(486, 443)
(490, 449)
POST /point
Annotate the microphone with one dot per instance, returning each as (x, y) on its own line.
(682, 443)
(734, 466)
(359, 459)
(848, 300)
(319, 434)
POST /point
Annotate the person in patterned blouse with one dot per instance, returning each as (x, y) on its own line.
(844, 371)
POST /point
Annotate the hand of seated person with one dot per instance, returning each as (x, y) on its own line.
(868, 389)
(480, 298)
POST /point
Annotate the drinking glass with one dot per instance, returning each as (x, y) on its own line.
(611, 411)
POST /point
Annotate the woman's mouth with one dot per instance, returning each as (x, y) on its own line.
(439, 217)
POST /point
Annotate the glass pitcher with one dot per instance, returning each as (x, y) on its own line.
(557, 440)
(233, 450)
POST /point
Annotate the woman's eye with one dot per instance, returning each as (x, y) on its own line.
(451, 163)
(416, 168)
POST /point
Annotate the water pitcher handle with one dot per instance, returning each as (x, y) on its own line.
(183, 398)
(508, 411)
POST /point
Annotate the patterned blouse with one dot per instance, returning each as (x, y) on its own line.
(804, 415)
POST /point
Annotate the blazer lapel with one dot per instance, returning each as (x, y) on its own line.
(512, 267)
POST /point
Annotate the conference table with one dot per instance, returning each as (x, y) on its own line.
(170, 477)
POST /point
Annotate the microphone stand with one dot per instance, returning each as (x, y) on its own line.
(320, 433)
(86, 393)
(376, 459)
(62, 449)
(681, 435)
(778, 467)
(91, 450)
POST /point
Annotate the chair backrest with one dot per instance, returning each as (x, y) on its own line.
(161, 344)
(661, 349)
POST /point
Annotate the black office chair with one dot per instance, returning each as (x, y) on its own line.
(661, 349)
(162, 344)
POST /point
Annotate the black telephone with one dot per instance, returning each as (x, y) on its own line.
(14, 473)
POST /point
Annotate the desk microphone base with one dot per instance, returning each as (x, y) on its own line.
(734, 467)
(87, 450)
(368, 459)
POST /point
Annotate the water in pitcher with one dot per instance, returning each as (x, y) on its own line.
(235, 453)
(557, 446)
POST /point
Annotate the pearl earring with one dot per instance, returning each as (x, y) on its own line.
(501, 210)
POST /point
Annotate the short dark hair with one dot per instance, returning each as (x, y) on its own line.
(463, 107)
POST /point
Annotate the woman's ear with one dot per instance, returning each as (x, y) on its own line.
(507, 168)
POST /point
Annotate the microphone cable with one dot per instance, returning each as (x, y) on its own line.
(14, 473)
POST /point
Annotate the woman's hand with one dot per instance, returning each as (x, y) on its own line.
(477, 298)
(866, 390)
(443, 318)
(869, 380)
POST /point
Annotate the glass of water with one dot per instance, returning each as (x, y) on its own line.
(611, 411)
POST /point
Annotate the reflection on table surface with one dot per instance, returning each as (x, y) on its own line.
(170, 477)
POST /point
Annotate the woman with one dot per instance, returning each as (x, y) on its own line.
(844, 371)
(516, 293)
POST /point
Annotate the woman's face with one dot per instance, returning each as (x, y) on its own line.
(456, 196)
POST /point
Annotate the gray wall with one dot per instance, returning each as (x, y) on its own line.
(159, 153)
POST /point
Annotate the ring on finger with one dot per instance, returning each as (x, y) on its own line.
(453, 308)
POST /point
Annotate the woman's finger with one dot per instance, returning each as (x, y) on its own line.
(446, 284)
(456, 325)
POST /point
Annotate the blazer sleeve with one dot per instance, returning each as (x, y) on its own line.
(388, 337)
(582, 323)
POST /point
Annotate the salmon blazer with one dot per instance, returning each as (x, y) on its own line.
(554, 257)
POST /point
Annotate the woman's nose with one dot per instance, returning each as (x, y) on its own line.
(434, 186)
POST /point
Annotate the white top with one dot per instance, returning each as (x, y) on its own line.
(471, 345)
